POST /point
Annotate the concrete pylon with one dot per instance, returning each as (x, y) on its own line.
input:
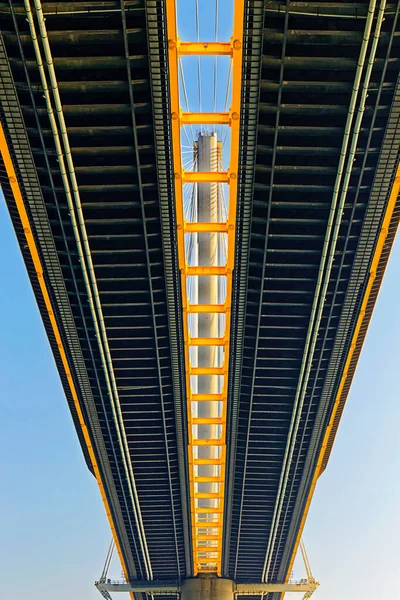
(207, 287)
(207, 326)
(207, 588)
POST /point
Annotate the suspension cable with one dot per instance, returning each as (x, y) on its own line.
(198, 60)
(215, 61)
(227, 96)
(305, 559)
(108, 560)
(185, 96)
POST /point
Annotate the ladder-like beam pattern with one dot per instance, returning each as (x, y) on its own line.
(205, 522)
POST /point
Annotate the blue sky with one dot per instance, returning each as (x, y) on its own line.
(54, 531)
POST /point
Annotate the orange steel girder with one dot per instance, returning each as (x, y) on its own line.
(206, 558)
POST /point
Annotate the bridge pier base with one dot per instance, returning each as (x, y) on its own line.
(207, 588)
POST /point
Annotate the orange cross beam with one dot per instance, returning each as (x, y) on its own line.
(203, 48)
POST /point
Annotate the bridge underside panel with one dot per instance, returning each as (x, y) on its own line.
(299, 70)
(123, 182)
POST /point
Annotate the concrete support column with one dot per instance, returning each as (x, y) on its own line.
(207, 588)
(207, 356)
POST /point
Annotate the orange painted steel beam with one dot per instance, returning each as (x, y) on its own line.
(207, 511)
(202, 399)
(206, 227)
(209, 495)
(208, 421)
(237, 54)
(206, 177)
(207, 397)
(207, 341)
(207, 461)
(204, 48)
(179, 211)
(209, 570)
(206, 308)
(203, 118)
(175, 125)
(210, 479)
(207, 370)
(205, 271)
(205, 442)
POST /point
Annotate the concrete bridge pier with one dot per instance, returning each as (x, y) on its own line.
(207, 588)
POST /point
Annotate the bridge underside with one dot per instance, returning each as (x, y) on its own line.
(299, 72)
(300, 61)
